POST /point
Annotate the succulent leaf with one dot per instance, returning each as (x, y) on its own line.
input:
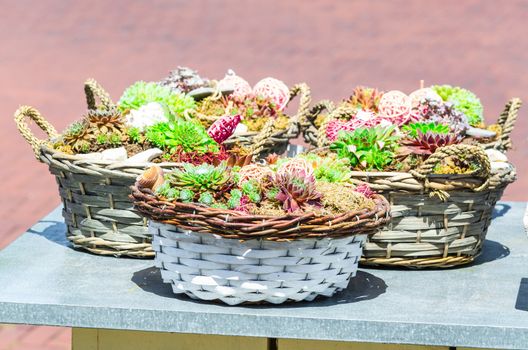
(367, 148)
(200, 178)
(463, 101)
(296, 190)
(142, 93)
(187, 136)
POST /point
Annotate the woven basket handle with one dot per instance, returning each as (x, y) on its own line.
(94, 90)
(33, 114)
(260, 140)
(305, 98)
(336, 113)
(317, 109)
(303, 91)
(506, 121)
(460, 151)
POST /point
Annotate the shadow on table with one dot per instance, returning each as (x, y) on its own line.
(55, 232)
(364, 286)
(500, 210)
(150, 281)
(522, 296)
(491, 251)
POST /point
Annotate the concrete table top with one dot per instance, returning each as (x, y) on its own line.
(43, 281)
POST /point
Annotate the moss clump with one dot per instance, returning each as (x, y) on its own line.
(267, 207)
(455, 165)
(319, 120)
(340, 199)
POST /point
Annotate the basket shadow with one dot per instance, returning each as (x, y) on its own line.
(491, 251)
(364, 286)
(150, 281)
(54, 232)
(500, 209)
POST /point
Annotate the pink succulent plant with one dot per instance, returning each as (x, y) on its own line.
(365, 190)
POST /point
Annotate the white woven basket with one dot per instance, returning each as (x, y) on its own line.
(209, 267)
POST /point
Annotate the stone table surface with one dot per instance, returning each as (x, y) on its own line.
(46, 282)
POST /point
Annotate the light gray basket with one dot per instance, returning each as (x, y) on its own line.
(210, 267)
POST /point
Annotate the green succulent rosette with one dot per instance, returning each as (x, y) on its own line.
(463, 100)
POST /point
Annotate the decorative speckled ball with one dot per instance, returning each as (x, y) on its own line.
(255, 172)
(273, 89)
(396, 107)
(365, 190)
(363, 119)
(223, 128)
(335, 126)
(418, 96)
(296, 165)
(240, 86)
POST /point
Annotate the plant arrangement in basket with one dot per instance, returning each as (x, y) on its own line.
(307, 183)
(444, 104)
(392, 131)
(257, 106)
(150, 122)
(295, 227)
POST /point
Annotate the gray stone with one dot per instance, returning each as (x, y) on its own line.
(499, 166)
(114, 154)
(240, 129)
(201, 93)
(144, 157)
(484, 305)
(480, 133)
(496, 156)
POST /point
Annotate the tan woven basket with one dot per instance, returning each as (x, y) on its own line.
(98, 213)
(269, 140)
(225, 255)
(317, 136)
(437, 221)
(97, 210)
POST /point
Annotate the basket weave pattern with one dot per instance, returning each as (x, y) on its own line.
(428, 232)
(210, 267)
(437, 220)
(98, 213)
(96, 208)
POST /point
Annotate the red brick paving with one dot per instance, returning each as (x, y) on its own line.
(48, 48)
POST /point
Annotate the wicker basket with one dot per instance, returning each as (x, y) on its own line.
(437, 221)
(223, 255)
(98, 213)
(269, 140)
(317, 136)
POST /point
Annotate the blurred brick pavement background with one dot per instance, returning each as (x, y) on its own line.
(48, 48)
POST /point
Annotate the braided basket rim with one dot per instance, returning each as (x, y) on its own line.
(397, 180)
(236, 225)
